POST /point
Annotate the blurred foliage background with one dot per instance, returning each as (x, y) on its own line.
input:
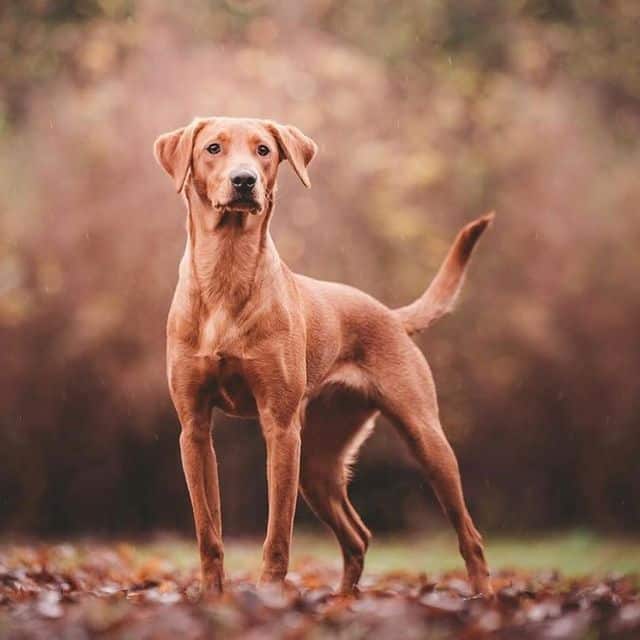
(427, 113)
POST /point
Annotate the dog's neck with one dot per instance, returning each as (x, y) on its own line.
(229, 254)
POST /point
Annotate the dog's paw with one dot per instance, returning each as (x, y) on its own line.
(352, 592)
(484, 590)
(211, 586)
(278, 593)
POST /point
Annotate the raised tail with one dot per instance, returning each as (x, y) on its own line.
(439, 299)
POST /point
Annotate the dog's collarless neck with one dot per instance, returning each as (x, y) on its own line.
(227, 263)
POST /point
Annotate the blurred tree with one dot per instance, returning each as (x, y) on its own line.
(42, 38)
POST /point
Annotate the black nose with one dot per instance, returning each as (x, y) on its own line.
(243, 179)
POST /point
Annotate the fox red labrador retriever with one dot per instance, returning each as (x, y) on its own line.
(315, 361)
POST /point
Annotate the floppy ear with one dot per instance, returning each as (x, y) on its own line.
(173, 151)
(297, 148)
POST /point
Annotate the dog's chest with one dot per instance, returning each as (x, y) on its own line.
(221, 333)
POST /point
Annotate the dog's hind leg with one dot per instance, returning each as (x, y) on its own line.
(408, 399)
(330, 439)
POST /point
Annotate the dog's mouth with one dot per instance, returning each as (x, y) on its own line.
(243, 204)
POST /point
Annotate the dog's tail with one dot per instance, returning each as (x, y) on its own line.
(439, 299)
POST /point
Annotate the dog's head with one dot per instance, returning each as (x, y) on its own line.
(233, 162)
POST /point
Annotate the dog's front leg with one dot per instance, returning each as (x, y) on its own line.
(282, 436)
(201, 473)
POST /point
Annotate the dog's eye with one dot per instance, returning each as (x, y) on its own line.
(214, 148)
(263, 150)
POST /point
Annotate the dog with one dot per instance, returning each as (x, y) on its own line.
(316, 362)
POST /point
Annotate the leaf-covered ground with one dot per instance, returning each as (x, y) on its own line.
(149, 590)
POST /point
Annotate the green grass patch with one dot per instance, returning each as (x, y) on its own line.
(572, 553)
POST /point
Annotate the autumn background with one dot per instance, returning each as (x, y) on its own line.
(426, 114)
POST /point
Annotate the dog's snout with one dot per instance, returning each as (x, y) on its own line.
(243, 179)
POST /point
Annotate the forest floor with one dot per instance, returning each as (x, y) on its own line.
(566, 586)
